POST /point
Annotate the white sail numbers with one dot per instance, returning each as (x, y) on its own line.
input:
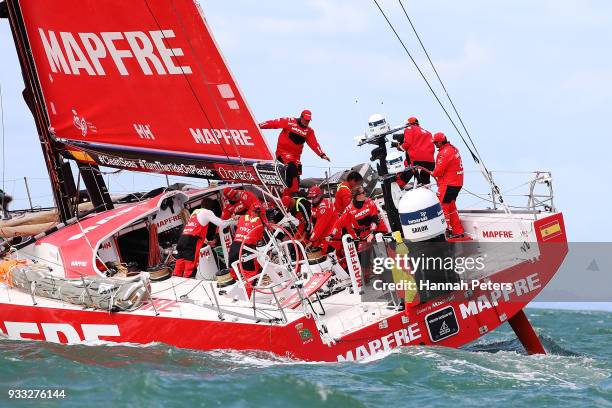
(84, 52)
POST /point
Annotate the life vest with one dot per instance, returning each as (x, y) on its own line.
(193, 226)
(249, 229)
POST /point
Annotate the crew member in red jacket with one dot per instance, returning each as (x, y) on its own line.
(449, 175)
(361, 218)
(239, 202)
(343, 193)
(324, 217)
(191, 240)
(419, 148)
(250, 230)
(301, 209)
(296, 132)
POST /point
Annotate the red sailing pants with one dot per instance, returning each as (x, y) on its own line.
(292, 173)
(184, 267)
(448, 196)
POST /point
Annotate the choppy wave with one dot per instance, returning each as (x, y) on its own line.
(576, 372)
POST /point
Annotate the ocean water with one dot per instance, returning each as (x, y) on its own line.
(491, 372)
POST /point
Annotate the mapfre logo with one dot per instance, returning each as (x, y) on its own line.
(59, 332)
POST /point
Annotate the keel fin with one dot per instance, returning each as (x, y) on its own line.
(526, 334)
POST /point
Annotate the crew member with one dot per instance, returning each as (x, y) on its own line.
(301, 209)
(343, 194)
(419, 148)
(250, 230)
(192, 239)
(5, 199)
(324, 217)
(295, 132)
(449, 175)
(239, 202)
(361, 218)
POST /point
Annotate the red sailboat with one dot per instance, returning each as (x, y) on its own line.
(143, 87)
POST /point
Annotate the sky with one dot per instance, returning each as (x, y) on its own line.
(531, 79)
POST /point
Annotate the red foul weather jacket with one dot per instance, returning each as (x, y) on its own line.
(249, 230)
(291, 140)
(324, 217)
(343, 197)
(362, 220)
(246, 200)
(449, 169)
(418, 143)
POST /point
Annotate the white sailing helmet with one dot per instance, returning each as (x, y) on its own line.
(395, 162)
(378, 124)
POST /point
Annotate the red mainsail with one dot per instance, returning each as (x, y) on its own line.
(142, 85)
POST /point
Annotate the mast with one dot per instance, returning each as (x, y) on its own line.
(59, 169)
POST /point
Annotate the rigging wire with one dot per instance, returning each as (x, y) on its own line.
(426, 80)
(440, 81)
(475, 156)
(191, 87)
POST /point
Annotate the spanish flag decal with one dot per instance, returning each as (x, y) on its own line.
(551, 230)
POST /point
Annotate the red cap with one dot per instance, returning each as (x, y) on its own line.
(412, 120)
(439, 137)
(306, 114)
(229, 193)
(314, 191)
(286, 200)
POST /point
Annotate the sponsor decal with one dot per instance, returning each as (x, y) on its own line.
(354, 263)
(236, 173)
(304, 333)
(82, 264)
(52, 331)
(175, 218)
(497, 234)
(442, 324)
(175, 168)
(144, 131)
(229, 137)
(426, 214)
(517, 288)
(422, 228)
(70, 53)
(117, 162)
(81, 124)
(269, 176)
(392, 340)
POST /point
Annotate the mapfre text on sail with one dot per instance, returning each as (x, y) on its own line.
(82, 53)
